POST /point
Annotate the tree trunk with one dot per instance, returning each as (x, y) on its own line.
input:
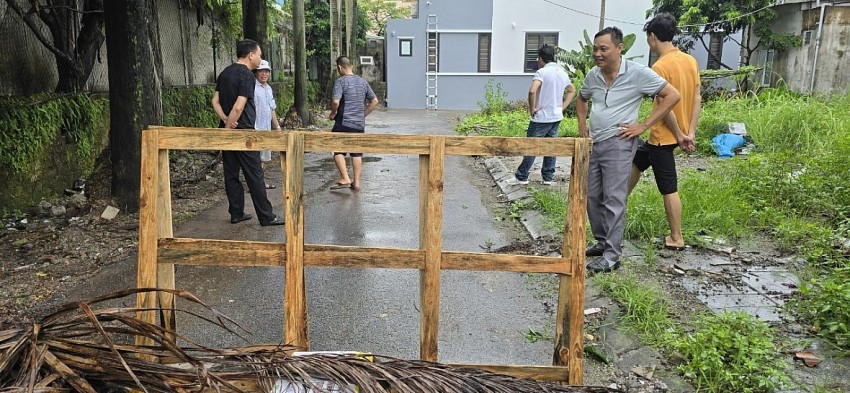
(255, 23)
(135, 92)
(336, 45)
(300, 47)
(351, 32)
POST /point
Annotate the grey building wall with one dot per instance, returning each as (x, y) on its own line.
(459, 52)
(794, 66)
(465, 91)
(458, 14)
(406, 76)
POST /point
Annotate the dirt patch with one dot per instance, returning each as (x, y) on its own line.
(47, 251)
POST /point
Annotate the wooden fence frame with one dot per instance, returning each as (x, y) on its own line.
(159, 251)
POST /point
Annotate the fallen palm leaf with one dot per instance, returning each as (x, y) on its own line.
(80, 348)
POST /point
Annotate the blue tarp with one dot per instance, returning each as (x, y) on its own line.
(725, 144)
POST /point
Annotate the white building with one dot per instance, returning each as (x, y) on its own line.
(445, 57)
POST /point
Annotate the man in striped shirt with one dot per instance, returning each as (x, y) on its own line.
(349, 111)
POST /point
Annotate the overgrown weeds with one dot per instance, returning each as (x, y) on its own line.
(731, 352)
(793, 187)
(646, 309)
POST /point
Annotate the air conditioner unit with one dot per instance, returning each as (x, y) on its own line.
(807, 37)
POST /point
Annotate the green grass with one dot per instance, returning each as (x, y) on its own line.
(507, 124)
(793, 187)
(646, 310)
(712, 205)
(724, 352)
(553, 205)
(731, 352)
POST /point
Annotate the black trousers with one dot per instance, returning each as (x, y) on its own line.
(249, 163)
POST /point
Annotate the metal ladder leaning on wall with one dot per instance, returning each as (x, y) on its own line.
(433, 64)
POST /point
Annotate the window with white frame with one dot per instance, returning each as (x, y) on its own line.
(533, 42)
(405, 47)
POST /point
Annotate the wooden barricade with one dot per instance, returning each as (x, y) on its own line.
(159, 251)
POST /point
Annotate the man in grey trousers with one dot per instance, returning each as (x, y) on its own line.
(616, 87)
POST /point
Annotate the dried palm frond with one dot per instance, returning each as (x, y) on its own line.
(79, 348)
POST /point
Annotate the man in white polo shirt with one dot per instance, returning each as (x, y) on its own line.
(616, 87)
(550, 92)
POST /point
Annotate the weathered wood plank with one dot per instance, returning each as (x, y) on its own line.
(433, 228)
(165, 272)
(539, 373)
(179, 138)
(366, 143)
(502, 146)
(295, 302)
(183, 251)
(504, 262)
(148, 228)
(363, 257)
(320, 141)
(569, 330)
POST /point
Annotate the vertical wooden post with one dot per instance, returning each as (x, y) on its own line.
(431, 178)
(569, 324)
(165, 272)
(294, 301)
(148, 230)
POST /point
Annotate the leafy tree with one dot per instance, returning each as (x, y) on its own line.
(76, 35)
(317, 15)
(701, 18)
(379, 11)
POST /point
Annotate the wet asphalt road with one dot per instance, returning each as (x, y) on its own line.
(482, 314)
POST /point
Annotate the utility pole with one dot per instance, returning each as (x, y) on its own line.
(602, 15)
(336, 45)
(299, 38)
(350, 34)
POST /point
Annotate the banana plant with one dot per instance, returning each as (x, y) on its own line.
(579, 62)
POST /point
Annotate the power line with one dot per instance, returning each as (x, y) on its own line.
(589, 14)
(642, 23)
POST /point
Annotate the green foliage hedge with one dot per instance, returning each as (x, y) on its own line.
(29, 124)
(189, 107)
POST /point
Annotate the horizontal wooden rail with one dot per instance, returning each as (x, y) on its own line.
(319, 141)
(540, 373)
(183, 251)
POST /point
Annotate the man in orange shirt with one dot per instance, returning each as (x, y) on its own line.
(677, 129)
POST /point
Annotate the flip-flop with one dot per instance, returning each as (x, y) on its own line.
(338, 185)
(270, 186)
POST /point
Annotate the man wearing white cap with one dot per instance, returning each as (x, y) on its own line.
(265, 104)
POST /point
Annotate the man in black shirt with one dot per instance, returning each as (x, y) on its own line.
(233, 102)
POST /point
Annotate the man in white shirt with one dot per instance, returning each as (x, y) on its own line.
(550, 92)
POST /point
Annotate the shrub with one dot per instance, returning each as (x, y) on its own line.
(731, 352)
(495, 99)
(29, 124)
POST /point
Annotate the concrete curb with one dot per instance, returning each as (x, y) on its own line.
(532, 220)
